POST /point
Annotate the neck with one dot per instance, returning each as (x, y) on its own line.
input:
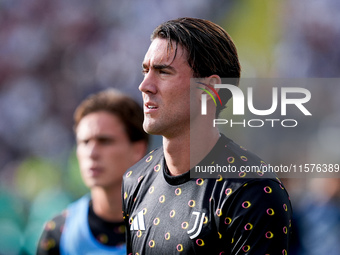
(107, 203)
(187, 149)
(177, 154)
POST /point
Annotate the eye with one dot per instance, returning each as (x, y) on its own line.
(161, 71)
(105, 141)
(83, 142)
(145, 71)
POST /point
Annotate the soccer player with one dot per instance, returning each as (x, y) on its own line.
(110, 139)
(166, 211)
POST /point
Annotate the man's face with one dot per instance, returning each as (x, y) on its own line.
(104, 150)
(166, 90)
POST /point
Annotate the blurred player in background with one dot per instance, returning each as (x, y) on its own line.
(110, 139)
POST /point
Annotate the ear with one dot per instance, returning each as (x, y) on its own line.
(214, 79)
(209, 83)
(139, 150)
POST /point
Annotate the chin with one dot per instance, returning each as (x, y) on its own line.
(94, 183)
(97, 185)
(152, 131)
(149, 128)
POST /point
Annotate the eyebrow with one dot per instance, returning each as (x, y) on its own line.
(97, 137)
(159, 67)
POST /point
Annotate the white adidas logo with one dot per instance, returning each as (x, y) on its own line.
(138, 222)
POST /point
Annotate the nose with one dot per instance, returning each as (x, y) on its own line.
(93, 150)
(148, 85)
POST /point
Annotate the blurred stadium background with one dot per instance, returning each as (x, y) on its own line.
(55, 53)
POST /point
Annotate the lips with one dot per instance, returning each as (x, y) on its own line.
(95, 171)
(150, 107)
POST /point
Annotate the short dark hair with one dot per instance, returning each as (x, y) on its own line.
(210, 49)
(118, 104)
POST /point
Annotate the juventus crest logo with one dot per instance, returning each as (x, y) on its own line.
(198, 223)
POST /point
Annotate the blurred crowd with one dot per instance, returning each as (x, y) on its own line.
(55, 53)
(52, 55)
(309, 49)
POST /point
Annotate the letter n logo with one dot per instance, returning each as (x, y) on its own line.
(198, 223)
